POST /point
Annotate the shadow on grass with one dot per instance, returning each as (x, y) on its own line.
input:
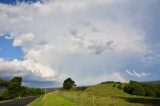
(145, 101)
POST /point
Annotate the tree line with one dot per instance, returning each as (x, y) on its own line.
(13, 88)
(143, 89)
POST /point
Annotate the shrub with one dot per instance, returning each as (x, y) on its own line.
(158, 93)
(128, 88)
(138, 90)
(81, 88)
(34, 91)
(120, 86)
(114, 85)
(107, 82)
(134, 88)
(5, 95)
(150, 91)
(1, 98)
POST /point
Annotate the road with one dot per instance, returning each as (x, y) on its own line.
(20, 102)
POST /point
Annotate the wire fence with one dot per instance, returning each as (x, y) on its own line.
(93, 100)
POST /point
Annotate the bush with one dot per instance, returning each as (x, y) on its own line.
(34, 91)
(81, 88)
(1, 98)
(23, 91)
(107, 82)
(120, 86)
(128, 88)
(158, 93)
(114, 85)
(134, 88)
(5, 95)
(138, 90)
(150, 91)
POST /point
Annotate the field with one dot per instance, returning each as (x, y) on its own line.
(98, 95)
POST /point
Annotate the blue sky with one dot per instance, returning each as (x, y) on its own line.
(90, 41)
(8, 51)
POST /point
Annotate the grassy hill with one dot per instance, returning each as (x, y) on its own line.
(99, 95)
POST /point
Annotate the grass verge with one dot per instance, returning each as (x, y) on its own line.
(52, 99)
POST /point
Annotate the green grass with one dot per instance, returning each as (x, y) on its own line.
(98, 95)
(106, 95)
(0, 93)
(52, 99)
(3, 101)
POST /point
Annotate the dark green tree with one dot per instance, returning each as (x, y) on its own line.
(4, 83)
(138, 90)
(158, 93)
(120, 86)
(68, 84)
(16, 80)
(15, 86)
(134, 88)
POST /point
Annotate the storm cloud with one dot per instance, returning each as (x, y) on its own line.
(88, 40)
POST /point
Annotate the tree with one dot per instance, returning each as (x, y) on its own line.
(138, 90)
(149, 91)
(134, 88)
(120, 86)
(68, 84)
(158, 93)
(16, 80)
(4, 83)
(14, 87)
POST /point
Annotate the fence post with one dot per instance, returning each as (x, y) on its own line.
(75, 98)
(114, 101)
(93, 100)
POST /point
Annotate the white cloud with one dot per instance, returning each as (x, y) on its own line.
(115, 76)
(108, 36)
(136, 74)
(54, 30)
(27, 68)
(24, 38)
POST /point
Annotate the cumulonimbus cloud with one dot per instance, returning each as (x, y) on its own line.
(26, 68)
(50, 32)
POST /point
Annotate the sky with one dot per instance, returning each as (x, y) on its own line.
(90, 41)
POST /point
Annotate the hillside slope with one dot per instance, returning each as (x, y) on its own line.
(107, 95)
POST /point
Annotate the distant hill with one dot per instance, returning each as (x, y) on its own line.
(152, 82)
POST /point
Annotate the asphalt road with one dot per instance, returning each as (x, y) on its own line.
(20, 102)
